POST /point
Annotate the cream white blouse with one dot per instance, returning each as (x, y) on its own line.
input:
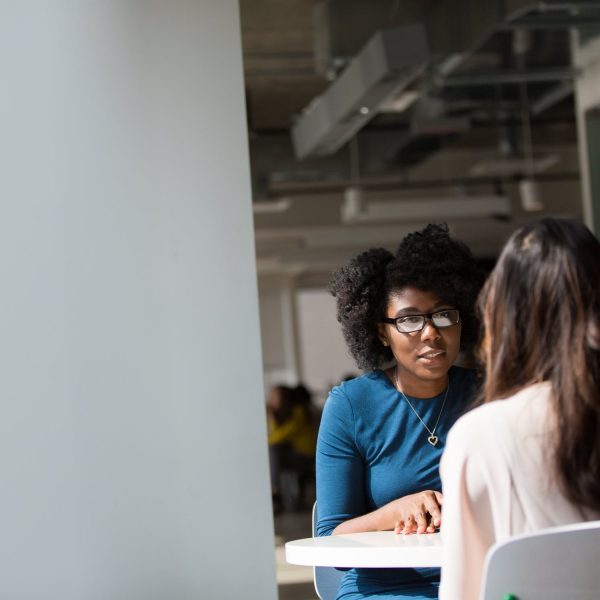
(497, 480)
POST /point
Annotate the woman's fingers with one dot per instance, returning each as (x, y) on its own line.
(433, 508)
(421, 520)
(420, 513)
(410, 525)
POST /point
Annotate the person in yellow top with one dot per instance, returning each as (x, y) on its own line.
(292, 437)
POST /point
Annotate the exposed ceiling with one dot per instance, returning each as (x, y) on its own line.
(490, 106)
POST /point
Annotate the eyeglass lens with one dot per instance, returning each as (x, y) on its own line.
(443, 318)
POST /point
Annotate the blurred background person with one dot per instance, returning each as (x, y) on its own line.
(292, 440)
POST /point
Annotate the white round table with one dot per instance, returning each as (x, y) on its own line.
(382, 549)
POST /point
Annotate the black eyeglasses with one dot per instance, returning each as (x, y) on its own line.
(412, 323)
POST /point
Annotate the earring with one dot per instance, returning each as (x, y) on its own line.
(385, 343)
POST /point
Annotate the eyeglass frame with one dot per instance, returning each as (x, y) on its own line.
(426, 317)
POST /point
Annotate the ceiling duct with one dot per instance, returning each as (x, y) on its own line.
(390, 61)
(451, 26)
(512, 166)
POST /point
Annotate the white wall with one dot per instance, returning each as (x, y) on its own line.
(323, 352)
(132, 438)
(301, 339)
(279, 332)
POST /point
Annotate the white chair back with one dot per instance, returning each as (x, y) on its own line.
(561, 563)
(326, 579)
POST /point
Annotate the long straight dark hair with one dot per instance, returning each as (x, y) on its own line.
(541, 314)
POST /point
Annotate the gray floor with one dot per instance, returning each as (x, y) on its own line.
(294, 583)
(297, 591)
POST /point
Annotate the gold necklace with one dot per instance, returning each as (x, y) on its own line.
(432, 439)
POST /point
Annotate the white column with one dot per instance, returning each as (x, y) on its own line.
(586, 59)
(133, 453)
(290, 328)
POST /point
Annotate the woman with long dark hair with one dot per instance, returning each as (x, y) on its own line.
(404, 317)
(529, 458)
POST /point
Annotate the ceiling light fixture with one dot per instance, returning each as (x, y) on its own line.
(269, 208)
(355, 210)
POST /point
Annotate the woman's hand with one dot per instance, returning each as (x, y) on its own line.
(420, 512)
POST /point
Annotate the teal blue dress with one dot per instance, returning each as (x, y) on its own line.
(372, 449)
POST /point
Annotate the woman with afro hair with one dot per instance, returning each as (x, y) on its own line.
(405, 318)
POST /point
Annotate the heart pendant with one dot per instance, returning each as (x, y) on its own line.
(433, 440)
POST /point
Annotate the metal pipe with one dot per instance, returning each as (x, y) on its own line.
(560, 74)
(551, 22)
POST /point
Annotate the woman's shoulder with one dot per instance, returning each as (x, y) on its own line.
(523, 409)
(464, 384)
(461, 377)
(362, 386)
(360, 390)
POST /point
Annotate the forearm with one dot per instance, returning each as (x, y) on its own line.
(419, 512)
(381, 519)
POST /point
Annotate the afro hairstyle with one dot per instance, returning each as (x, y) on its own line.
(429, 260)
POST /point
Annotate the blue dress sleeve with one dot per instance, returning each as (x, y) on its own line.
(340, 471)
